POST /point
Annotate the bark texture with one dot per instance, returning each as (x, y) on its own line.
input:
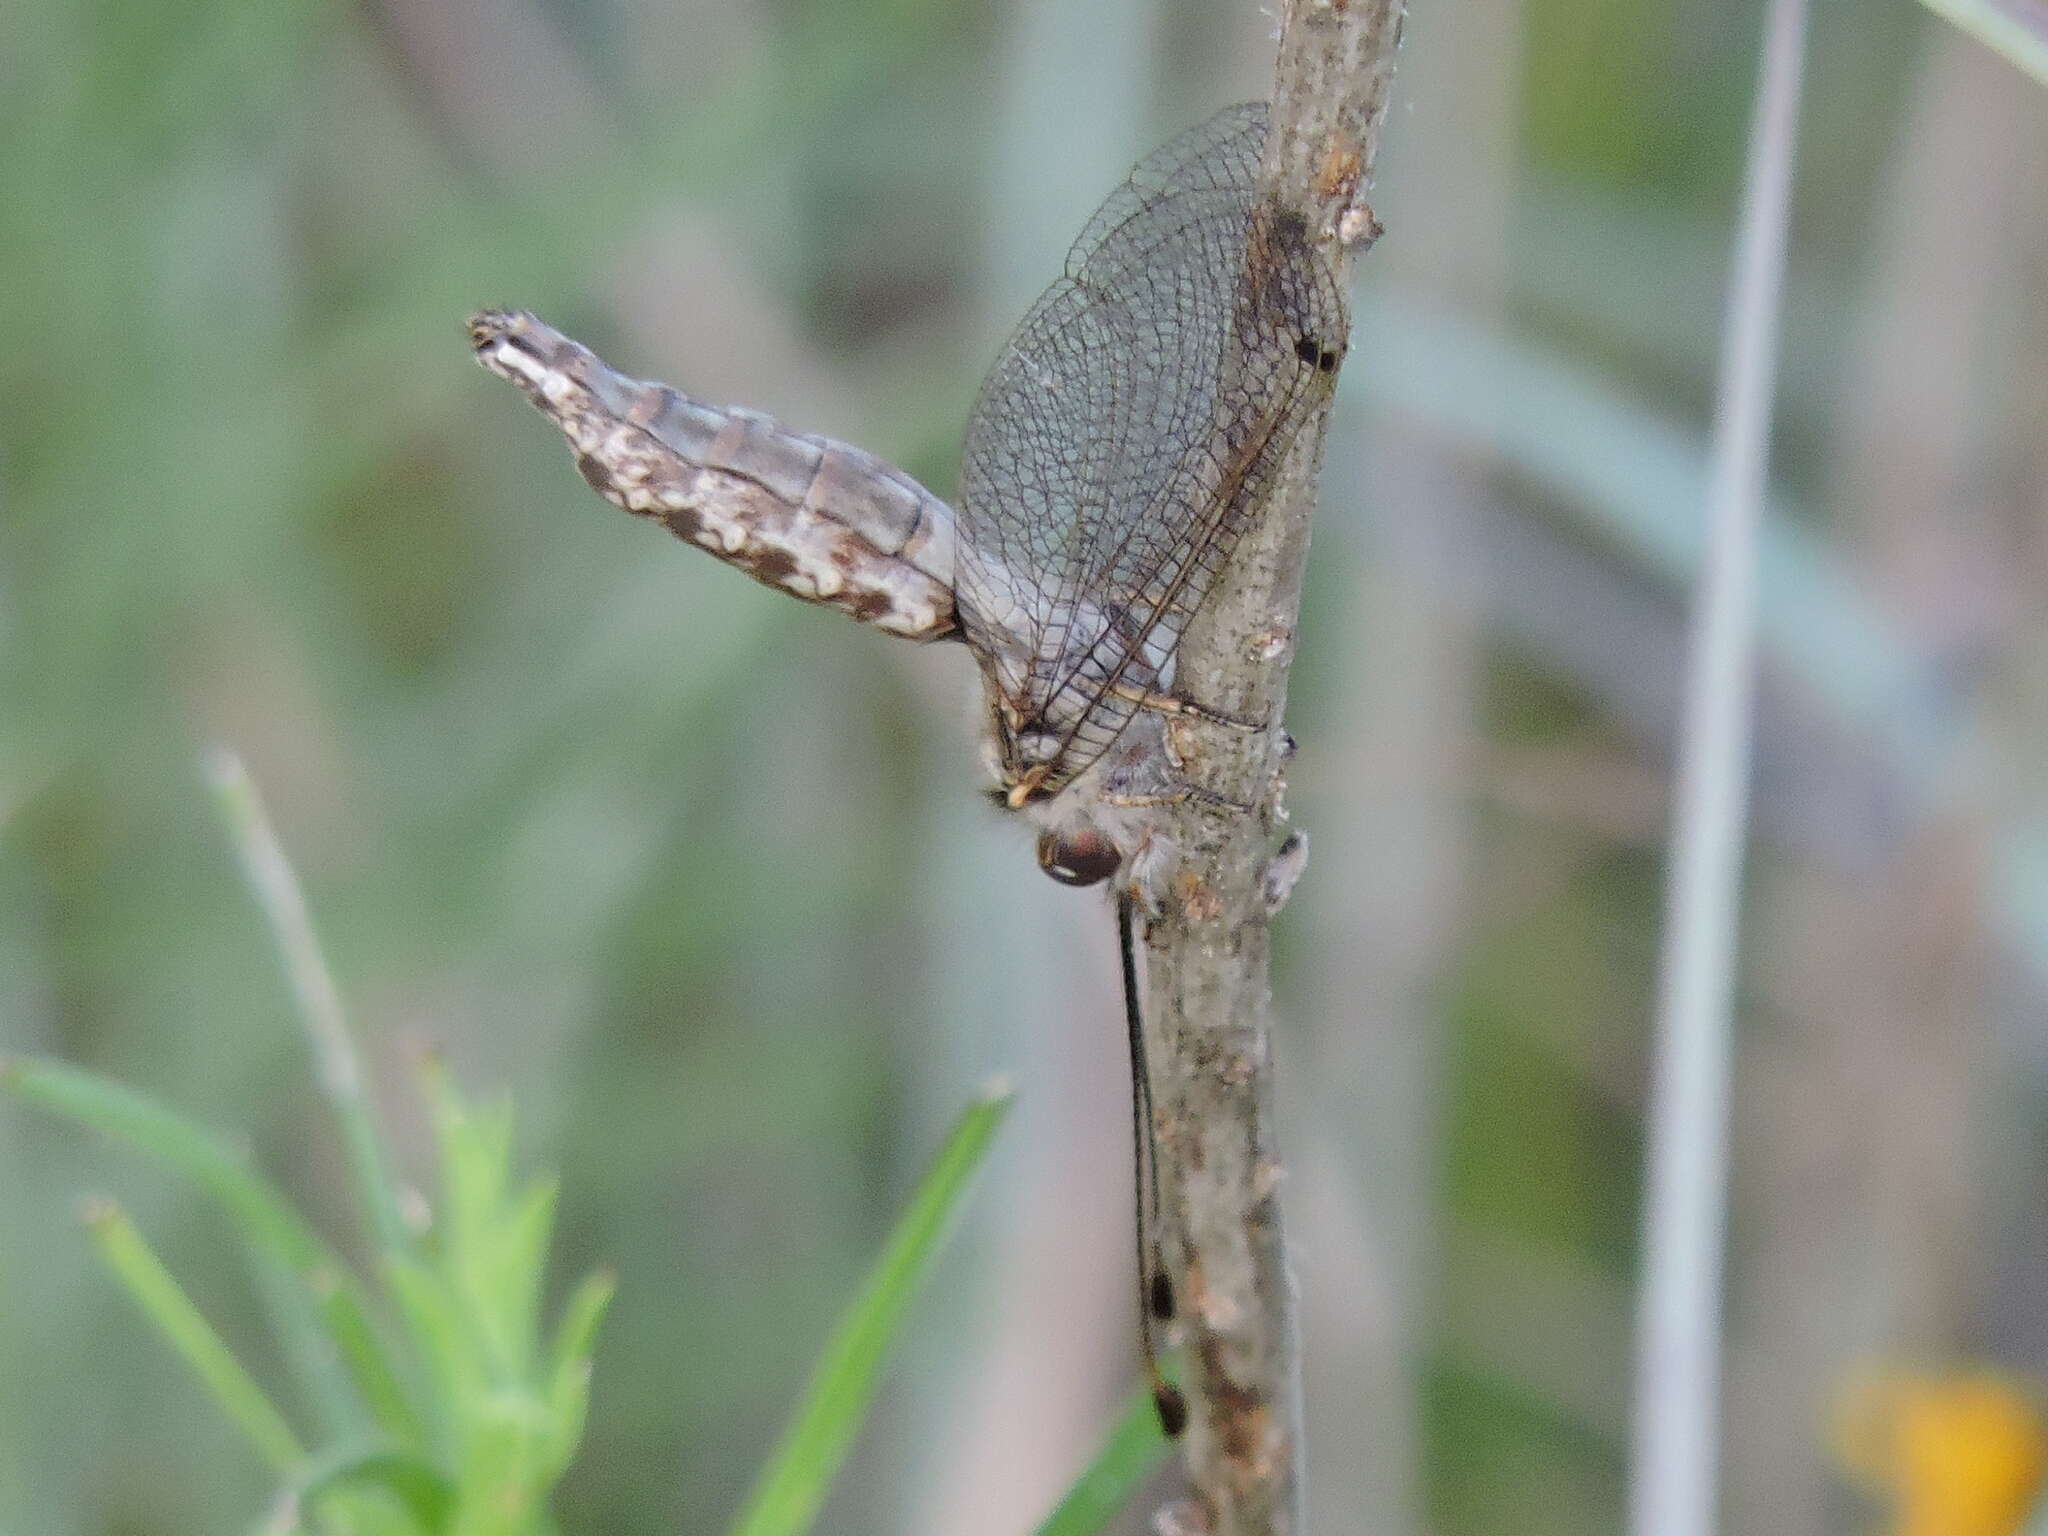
(1208, 1022)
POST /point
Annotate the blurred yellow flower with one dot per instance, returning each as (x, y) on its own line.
(1959, 1454)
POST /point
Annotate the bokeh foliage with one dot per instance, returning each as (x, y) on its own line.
(690, 872)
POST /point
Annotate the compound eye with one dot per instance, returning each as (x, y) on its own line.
(1085, 857)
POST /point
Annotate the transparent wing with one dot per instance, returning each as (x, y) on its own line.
(1125, 436)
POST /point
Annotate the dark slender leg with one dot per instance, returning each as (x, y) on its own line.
(1155, 1289)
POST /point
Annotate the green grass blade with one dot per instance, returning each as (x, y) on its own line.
(792, 1486)
(266, 1218)
(330, 1292)
(164, 1302)
(1131, 1454)
(336, 1065)
(2018, 33)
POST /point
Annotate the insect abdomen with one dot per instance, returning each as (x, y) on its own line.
(818, 519)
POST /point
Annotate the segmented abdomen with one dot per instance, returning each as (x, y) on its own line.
(819, 519)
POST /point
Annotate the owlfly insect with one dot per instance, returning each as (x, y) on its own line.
(1125, 439)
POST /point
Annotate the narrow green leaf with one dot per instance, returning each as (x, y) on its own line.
(1128, 1458)
(501, 1491)
(792, 1486)
(568, 1383)
(265, 1217)
(337, 1066)
(2019, 32)
(314, 1274)
(512, 1271)
(491, 1241)
(442, 1336)
(164, 1302)
(345, 1310)
(475, 1148)
(414, 1482)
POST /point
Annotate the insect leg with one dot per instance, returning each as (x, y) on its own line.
(1180, 794)
(1168, 704)
(1155, 1287)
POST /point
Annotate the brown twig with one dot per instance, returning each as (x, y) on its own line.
(1208, 1023)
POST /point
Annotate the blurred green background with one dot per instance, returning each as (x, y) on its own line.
(699, 874)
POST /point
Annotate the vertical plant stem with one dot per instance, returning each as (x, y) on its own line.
(1208, 1028)
(165, 1303)
(336, 1065)
(1677, 1406)
(2019, 38)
